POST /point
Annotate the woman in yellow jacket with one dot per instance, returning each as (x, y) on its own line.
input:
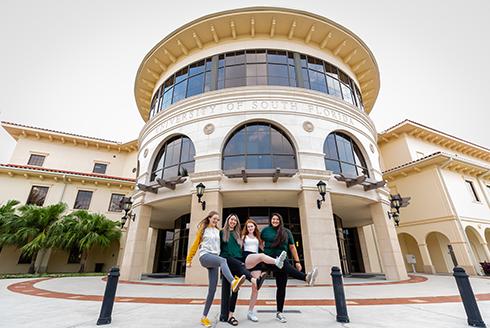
(208, 244)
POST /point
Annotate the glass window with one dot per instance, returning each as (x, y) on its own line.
(83, 199)
(25, 259)
(258, 146)
(75, 256)
(36, 160)
(99, 168)
(37, 196)
(472, 190)
(115, 204)
(252, 68)
(342, 155)
(176, 157)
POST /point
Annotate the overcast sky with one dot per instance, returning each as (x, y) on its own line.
(70, 65)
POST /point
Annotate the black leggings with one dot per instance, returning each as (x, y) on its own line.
(282, 280)
(237, 268)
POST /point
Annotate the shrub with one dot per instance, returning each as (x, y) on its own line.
(486, 267)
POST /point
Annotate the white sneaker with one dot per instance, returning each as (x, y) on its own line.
(312, 277)
(280, 260)
(251, 316)
(281, 317)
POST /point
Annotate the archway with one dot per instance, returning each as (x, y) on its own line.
(409, 245)
(437, 244)
(475, 242)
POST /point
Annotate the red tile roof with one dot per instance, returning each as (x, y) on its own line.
(42, 169)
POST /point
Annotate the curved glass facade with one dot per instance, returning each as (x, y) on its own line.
(176, 157)
(258, 146)
(342, 155)
(256, 67)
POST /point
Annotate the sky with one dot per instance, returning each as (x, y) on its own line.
(70, 66)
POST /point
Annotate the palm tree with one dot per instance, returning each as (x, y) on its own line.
(8, 217)
(30, 231)
(82, 231)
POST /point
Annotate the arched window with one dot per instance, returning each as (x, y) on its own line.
(258, 146)
(342, 155)
(176, 157)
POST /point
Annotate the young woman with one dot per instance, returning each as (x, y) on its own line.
(251, 242)
(231, 249)
(208, 243)
(278, 239)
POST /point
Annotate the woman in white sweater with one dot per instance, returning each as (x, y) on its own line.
(208, 243)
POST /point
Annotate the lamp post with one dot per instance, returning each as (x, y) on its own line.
(322, 186)
(200, 192)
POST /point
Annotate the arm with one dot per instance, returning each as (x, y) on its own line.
(193, 249)
(294, 252)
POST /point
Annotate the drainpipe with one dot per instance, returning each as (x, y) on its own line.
(61, 197)
(475, 263)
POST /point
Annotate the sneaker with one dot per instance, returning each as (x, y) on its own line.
(260, 281)
(251, 316)
(312, 277)
(237, 283)
(280, 260)
(205, 322)
(281, 317)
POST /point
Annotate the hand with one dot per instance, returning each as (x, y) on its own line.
(298, 266)
(188, 265)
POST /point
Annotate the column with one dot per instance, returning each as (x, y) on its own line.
(318, 232)
(391, 254)
(486, 250)
(429, 268)
(151, 245)
(463, 256)
(135, 248)
(364, 249)
(214, 202)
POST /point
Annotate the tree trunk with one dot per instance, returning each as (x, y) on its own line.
(82, 264)
(33, 263)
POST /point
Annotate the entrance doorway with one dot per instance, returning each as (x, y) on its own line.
(349, 248)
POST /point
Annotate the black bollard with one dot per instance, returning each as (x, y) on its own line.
(109, 295)
(338, 291)
(225, 299)
(468, 298)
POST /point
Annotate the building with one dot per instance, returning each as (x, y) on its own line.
(48, 167)
(260, 105)
(448, 180)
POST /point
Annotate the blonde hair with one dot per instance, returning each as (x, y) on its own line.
(205, 222)
(236, 230)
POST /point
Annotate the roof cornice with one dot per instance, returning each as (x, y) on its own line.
(258, 23)
(23, 131)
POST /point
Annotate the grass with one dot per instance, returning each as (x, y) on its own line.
(51, 275)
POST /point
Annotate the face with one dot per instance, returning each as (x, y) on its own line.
(275, 221)
(250, 228)
(232, 222)
(213, 221)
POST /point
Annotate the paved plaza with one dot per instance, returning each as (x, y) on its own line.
(423, 301)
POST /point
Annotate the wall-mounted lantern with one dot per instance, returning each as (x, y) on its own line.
(322, 190)
(200, 192)
(127, 208)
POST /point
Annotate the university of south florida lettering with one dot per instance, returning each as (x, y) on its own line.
(253, 105)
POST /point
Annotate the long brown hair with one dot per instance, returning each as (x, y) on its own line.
(236, 230)
(201, 226)
(256, 231)
(281, 235)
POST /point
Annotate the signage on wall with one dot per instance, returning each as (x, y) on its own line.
(254, 105)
